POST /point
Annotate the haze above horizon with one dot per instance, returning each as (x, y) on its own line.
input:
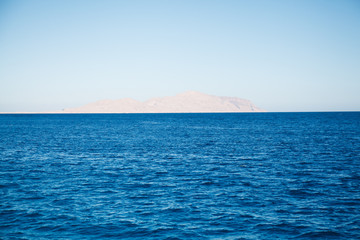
(281, 55)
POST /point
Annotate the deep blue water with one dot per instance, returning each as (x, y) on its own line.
(180, 176)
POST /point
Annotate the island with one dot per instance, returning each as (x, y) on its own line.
(187, 102)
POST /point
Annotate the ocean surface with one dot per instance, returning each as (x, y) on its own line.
(180, 176)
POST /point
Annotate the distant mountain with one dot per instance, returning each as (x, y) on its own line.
(187, 102)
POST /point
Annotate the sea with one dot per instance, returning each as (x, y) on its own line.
(180, 176)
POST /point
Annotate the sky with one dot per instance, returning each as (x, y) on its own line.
(282, 55)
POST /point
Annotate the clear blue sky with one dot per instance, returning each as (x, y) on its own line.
(282, 55)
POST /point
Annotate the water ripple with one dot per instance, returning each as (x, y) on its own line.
(180, 176)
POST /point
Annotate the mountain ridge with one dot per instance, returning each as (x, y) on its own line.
(185, 102)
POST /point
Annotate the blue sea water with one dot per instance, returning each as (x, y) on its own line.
(180, 176)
